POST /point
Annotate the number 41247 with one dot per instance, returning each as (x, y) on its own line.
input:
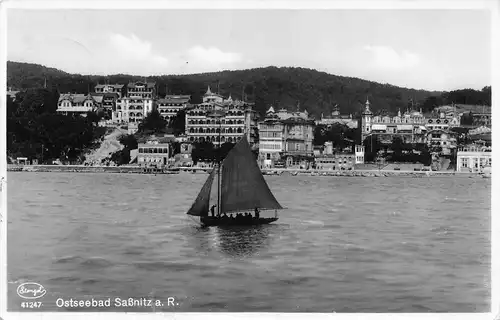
(31, 305)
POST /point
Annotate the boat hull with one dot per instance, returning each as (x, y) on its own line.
(212, 221)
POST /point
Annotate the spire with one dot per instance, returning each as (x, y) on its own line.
(208, 91)
(399, 112)
(367, 104)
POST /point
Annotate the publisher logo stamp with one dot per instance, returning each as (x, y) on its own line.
(31, 290)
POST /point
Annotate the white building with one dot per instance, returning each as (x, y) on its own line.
(473, 159)
(236, 120)
(285, 135)
(76, 103)
(132, 109)
(171, 105)
(359, 154)
(110, 88)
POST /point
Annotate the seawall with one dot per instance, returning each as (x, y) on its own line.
(281, 171)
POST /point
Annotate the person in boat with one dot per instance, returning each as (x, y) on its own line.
(257, 213)
(239, 216)
(224, 216)
(231, 216)
(212, 210)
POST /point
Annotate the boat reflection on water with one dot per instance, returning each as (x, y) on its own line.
(239, 242)
(233, 241)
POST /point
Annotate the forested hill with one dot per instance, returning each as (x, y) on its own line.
(315, 91)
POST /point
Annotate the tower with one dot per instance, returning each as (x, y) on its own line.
(366, 119)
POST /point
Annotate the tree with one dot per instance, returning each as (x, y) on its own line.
(223, 150)
(176, 147)
(372, 147)
(202, 151)
(397, 146)
(153, 123)
(93, 117)
(467, 119)
(129, 141)
(178, 123)
(37, 131)
(319, 137)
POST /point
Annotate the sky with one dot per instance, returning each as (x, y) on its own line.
(422, 49)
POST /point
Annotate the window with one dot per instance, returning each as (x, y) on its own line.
(465, 162)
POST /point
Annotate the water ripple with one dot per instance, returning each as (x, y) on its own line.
(390, 244)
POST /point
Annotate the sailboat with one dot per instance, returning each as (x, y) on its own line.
(240, 188)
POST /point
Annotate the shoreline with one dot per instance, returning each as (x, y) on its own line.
(272, 172)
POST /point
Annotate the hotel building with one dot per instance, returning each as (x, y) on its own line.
(337, 118)
(171, 104)
(473, 158)
(236, 121)
(109, 93)
(481, 119)
(410, 126)
(117, 89)
(153, 154)
(285, 136)
(138, 103)
(70, 103)
(444, 139)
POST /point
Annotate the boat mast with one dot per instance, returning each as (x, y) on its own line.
(219, 116)
(218, 168)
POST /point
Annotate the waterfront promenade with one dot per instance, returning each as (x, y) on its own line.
(267, 171)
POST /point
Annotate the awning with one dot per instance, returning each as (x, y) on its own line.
(379, 127)
(423, 128)
(405, 127)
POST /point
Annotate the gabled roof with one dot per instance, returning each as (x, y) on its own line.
(175, 99)
(116, 86)
(149, 85)
(76, 97)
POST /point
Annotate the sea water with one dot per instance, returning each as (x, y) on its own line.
(345, 244)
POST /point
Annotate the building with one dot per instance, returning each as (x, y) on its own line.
(481, 119)
(337, 118)
(171, 105)
(285, 136)
(132, 109)
(236, 120)
(410, 126)
(109, 95)
(116, 89)
(137, 104)
(329, 160)
(443, 121)
(132, 127)
(359, 153)
(444, 139)
(141, 89)
(73, 103)
(153, 154)
(480, 130)
(12, 93)
(473, 158)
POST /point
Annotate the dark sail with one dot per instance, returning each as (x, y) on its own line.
(243, 186)
(201, 204)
